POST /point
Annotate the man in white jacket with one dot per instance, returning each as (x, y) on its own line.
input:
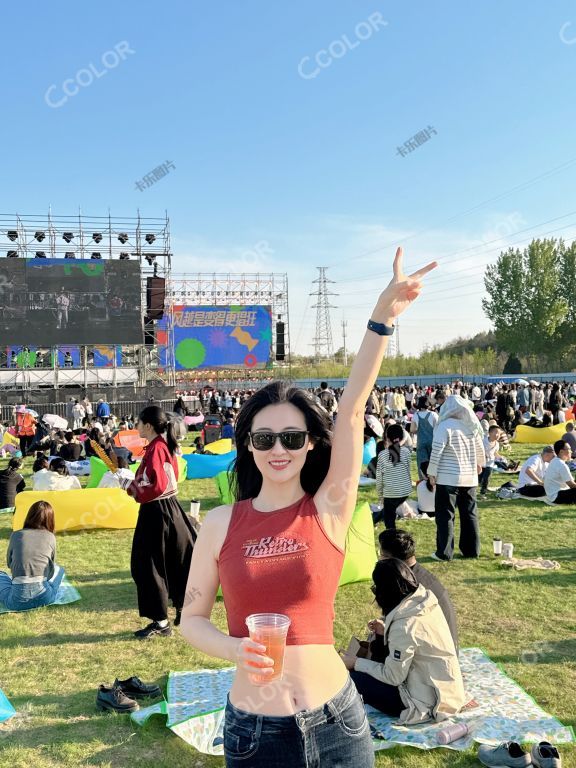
(456, 461)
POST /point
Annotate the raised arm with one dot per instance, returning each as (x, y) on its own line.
(337, 494)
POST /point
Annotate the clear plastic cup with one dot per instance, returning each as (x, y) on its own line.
(271, 630)
(507, 551)
(194, 508)
(497, 544)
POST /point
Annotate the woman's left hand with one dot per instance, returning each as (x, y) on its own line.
(349, 659)
(401, 291)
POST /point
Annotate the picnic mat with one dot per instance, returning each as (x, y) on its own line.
(500, 711)
(66, 594)
(6, 709)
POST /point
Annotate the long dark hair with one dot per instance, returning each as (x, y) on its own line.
(395, 435)
(155, 416)
(14, 465)
(244, 477)
(393, 582)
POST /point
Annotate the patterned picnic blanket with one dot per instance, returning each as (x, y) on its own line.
(500, 710)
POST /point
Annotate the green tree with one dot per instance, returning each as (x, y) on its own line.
(525, 300)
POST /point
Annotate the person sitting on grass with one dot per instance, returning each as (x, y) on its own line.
(420, 679)
(71, 450)
(570, 437)
(491, 447)
(58, 478)
(558, 482)
(393, 480)
(426, 494)
(532, 472)
(400, 544)
(11, 483)
(39, 469)
(112, 479)
(31, 558)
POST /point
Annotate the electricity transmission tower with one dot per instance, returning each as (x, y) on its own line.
(323, 338)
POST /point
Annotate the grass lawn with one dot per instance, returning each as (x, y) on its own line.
(53, 659)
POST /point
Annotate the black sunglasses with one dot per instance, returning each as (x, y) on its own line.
(292, 441)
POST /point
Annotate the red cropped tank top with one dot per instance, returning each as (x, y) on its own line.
(281, 562)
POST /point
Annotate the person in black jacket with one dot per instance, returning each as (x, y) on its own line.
(505, 409)
(71, 450)
(11, 483)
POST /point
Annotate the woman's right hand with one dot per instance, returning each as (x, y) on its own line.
(251, 657)
(376, 626)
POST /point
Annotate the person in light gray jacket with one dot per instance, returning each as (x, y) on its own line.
(456, 461)
(420, 678)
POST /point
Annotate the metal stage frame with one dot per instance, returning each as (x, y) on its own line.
(48, 236)
(221, 289)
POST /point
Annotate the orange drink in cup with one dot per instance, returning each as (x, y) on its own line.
(269, 629)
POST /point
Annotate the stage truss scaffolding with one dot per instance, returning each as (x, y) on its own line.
(223, 289)
(50, 236)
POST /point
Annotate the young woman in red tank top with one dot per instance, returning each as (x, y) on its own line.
(280, 549)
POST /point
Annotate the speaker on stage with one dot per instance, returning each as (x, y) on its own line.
(155, 298)
(280, 347)
(149, 335)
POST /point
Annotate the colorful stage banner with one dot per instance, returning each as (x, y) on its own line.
(216, 337)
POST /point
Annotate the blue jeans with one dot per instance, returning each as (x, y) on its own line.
(334, 735)
(23, 597)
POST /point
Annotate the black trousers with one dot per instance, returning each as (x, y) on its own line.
(567, 496)
(25, 443)
(448, 499)
(532, 491)
(161, 553)
(388, 512)
(378, 694)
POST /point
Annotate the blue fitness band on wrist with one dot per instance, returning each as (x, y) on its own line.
(380, 328)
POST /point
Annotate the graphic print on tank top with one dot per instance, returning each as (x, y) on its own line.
(271, 546)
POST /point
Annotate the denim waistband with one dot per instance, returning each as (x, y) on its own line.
(306, 718)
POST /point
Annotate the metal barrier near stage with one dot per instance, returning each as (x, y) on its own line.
(119, 409)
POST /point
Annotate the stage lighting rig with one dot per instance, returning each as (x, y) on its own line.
(96, 255)
(69, 255)
(40, 254)
(123, 237)
(150, 239)
(12, 255)
(68, 237)
(39, 236)
(124, 255)
(97, 237)
(12, 235)
(150, 258)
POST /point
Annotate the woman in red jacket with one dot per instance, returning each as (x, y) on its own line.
(164, 537)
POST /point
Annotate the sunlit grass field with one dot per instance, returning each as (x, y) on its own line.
(53, 659)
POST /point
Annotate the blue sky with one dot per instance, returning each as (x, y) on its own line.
(307, 165)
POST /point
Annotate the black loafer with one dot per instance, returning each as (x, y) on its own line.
(114, 700)
(153, 630)
(178, 617)
(136, 689)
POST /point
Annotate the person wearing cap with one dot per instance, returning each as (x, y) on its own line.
(531, 478)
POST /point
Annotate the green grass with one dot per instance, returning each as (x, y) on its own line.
(53, 659)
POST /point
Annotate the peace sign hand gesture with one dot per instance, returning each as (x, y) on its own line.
(401, 291)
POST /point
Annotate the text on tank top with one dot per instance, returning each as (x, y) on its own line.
(281, 562)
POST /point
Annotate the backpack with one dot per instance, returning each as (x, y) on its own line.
(327, 400)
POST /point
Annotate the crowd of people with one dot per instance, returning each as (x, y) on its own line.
(293, 449)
